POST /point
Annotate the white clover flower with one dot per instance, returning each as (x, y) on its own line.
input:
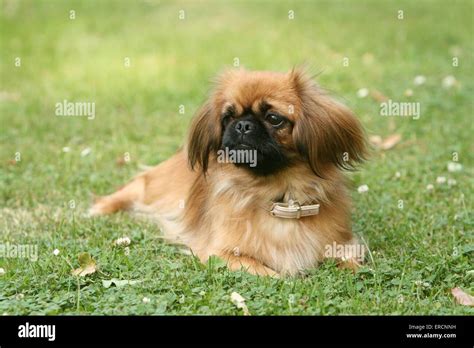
(451, 182)
(449, 81)
(419, 80)
(441, 180)
(454, 167)
(86, 152)
(429, 187)
(56, 252)
(408, 92)
(398, 174)
(66, 149)
(363, 189)
(146, 300)
(126, 251)
(124, 241)
(2, 271)
(363, 92)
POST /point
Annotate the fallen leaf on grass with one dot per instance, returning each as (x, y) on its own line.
(375, 140)
(239, 302)
(387, 143)
(120, 161)
(378, 96)
(391, 141)
(119, 282)
(9, 96)
(87, 265)
(462, 298)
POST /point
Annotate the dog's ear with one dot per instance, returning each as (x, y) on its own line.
(326, 132)
(204, 137)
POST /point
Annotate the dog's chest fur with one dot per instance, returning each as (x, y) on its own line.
(230, 212)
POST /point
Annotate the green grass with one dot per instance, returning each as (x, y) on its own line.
(418, 253)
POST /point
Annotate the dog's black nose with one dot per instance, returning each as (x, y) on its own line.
(245, 127)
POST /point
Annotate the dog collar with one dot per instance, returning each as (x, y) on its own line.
(293, 210)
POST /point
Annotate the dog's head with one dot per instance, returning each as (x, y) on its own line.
(282, 118)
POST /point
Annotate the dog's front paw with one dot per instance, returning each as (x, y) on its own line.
(351, 264)
(250, 265)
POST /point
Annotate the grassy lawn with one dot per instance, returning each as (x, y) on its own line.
(420, 239)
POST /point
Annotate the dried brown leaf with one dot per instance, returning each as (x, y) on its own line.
(9, 96)
(87, 265)
(462, 297)
(375, 140)
(378, 96)
(239, 302)
(120, 161)
(390, 141)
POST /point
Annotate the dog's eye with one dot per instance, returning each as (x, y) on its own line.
(227, 115)
(274, 120)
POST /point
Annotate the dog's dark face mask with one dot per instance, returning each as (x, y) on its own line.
(249, 143)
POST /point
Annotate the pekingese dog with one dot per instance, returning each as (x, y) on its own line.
(260, 180)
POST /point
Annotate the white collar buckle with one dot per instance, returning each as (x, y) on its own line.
(293, 210)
